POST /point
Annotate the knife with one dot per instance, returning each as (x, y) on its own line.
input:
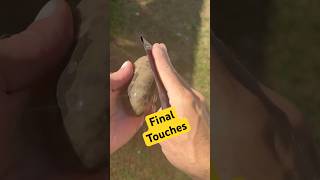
(162, 92)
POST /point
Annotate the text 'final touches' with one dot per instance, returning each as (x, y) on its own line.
(164, 125)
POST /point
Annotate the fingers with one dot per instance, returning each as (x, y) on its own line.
(169, 76)
(122, 77)
(26, 56)
(125, 129)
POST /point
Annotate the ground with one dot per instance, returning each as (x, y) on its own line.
(277, 40)
(184, 27)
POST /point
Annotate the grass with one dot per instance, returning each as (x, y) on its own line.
(184, 27)
(201, 74)
(292, 53)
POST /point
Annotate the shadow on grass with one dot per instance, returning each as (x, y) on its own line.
(278, 45)
(174, 23)
(242, 25)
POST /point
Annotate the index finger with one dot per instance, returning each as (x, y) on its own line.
(169, 77)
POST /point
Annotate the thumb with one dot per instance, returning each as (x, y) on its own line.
(122, 77)
(170, 78)
(27, 56)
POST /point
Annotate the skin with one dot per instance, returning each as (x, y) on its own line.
(29, 61)
(123, 124)
(246, 133)
(27, 57)
(42, 47)
(189, 152)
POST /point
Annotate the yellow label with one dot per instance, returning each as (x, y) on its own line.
(163, 125)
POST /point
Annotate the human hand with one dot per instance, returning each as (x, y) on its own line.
(189, 152)
(123, 124)
(38, 50)
(26, 58)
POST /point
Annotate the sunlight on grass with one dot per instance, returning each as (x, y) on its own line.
(293, 56)
(201, 72)
(176, 23)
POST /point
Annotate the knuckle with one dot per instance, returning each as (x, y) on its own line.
(201, 98)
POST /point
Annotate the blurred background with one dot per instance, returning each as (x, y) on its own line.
(14, 18)
(184, 26)
(279, 42)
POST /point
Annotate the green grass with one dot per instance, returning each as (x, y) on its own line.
(293, 58)
(116, 19)
(184, 27)
(201, 72)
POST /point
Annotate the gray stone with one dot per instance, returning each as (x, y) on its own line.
(82, 87)
(142, 87)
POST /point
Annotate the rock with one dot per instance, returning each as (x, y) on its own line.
(142, 87)
(82, 87)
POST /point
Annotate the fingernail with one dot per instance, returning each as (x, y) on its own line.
(164, 47)
(47, 10)
(124, 65)
(160, 47)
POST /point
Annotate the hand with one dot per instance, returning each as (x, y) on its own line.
(123, 124)
(26, 58)
(189, 152)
